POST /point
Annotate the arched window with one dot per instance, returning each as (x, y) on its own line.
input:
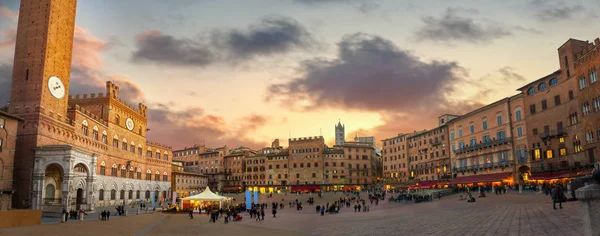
(123, 171)
(122, 195)
(157, 154)
(116, 141)
(84, 128)
(531, 91)
(95, 133)
(102, 168)
(137, 194)
(130, 194)
(157, 176)
(166, 156)
(113, 194)
(117, 119)
(542, 86)
(113, 171)
(101, 195)
(104, 137)
(553, 81)
(124, 144)
(147, 194)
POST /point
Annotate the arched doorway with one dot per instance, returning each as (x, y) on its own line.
(80, 198)
(53, 178)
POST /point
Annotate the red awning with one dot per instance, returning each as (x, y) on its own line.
(426, 184)
(232, 188)
(480, 178)
(305, 188)
(558, 175)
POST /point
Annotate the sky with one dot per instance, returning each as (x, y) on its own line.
(246, 72)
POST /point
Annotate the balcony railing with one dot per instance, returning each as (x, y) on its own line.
(481, 145)
(553, 133)
(52, 201)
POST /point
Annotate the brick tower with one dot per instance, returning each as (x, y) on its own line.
(40, 81)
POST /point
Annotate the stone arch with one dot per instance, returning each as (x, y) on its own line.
(104, 132)
(125, 140)
(114, 186)
(157, 172)
(84, 166)
(84, 123)
(139, 170)
(149, 149)
(95, 128)
(116, 137)
(81, 184)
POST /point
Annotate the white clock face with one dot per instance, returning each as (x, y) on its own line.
(56, 87)
(129, 123)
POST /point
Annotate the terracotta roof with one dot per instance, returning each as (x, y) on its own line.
(10, 115)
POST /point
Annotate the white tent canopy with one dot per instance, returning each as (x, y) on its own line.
(207, 195)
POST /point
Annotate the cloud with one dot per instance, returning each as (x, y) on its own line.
(270, 36)
(363, 6)
(8, 39)
(552, 11)
(159, 48)
(370, 73)
(5, 83)
(167, 125)
(5, 12)
(453, 27)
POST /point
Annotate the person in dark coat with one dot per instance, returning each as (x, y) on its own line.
(274, 211)
(558, 196)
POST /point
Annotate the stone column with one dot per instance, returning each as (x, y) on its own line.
(37, 190)
(589, 196)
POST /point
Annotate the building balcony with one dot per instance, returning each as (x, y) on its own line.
(483, 145)
(553, 133)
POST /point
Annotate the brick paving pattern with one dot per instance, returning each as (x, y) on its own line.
(510, 214)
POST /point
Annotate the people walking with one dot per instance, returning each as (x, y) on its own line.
(558, 196)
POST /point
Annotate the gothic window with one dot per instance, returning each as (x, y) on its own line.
(116, 142)
(113, 171)
(113, 194)
(101, 195)
(84, 128)
(117, 119)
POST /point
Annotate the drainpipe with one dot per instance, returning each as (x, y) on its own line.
(512, 143)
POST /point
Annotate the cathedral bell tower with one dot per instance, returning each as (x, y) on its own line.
(42, 62)
(339, 133)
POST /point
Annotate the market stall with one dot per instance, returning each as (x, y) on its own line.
(204, 200)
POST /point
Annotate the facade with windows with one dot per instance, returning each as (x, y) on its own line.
(586, 67)
(488, 148)
(184, 183)
(395, 154)
(8, 143)
(554, 115)
(207, 161)
(428, 154)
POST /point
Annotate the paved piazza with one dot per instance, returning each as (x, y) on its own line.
(510, 214)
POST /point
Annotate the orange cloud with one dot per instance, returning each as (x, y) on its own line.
(87, 50)
(5, 12)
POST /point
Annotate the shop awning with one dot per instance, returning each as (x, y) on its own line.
(480, 178)
(558, 174)
(305, 188)
(425, 184)
(232, 189)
